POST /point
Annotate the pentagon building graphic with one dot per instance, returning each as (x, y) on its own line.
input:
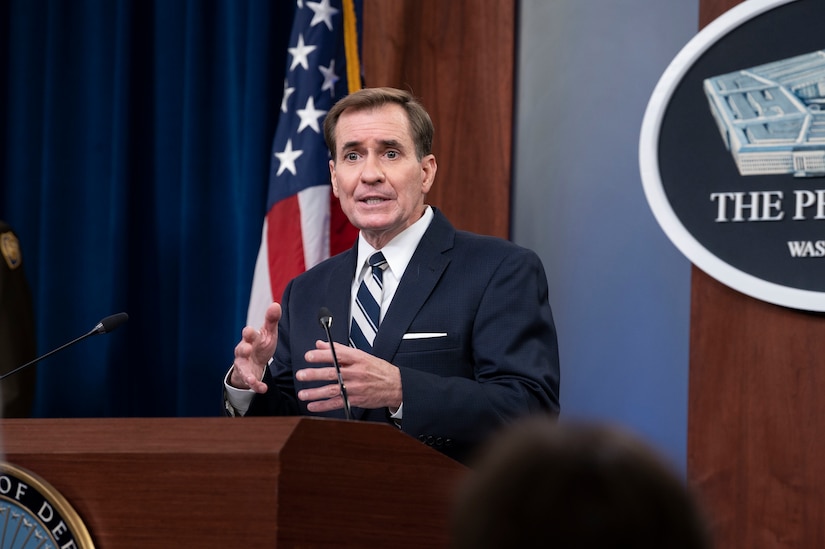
(772, 117)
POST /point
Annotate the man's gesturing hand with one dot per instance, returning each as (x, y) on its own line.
(253, 352)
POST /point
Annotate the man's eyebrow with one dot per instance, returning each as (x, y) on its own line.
(385, 143)
(391, 144)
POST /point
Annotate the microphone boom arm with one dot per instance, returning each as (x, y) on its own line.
(104, 326)
(326, 321)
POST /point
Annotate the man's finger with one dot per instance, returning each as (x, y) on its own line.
(256, 385)
(316, 374)
(335, 403)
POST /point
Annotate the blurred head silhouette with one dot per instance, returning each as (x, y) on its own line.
(545, 483)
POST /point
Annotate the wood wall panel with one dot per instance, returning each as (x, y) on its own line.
(756, 420)
(755, 444)
(458, 57)
(711, 9)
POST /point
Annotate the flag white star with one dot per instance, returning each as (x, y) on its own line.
(287, 92)
(330, 78)
(309, 116)
(287, 159)
(300, 53)
(323, 13)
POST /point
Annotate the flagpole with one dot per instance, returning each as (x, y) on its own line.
(351, 46)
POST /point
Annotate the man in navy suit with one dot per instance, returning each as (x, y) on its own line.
(465, 341)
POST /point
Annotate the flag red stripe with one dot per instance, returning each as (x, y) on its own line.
(285, 244)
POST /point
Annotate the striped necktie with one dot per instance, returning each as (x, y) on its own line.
(366, 313)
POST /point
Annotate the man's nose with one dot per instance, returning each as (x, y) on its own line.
(372, 172)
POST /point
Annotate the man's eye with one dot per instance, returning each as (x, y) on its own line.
(392, 154)
(351, 156)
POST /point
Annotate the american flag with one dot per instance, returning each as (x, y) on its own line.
(304, 223)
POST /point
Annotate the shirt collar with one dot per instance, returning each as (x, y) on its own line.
(399, 251)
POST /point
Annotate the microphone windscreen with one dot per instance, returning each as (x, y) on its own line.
(113, 321)
(325, 317)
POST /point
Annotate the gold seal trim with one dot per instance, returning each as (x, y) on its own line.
(60, 508)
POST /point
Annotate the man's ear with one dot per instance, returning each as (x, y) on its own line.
(333, 178)
(428, 166)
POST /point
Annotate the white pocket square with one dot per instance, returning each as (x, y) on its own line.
(424, 335)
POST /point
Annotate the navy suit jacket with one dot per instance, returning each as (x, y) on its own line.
(498, 360)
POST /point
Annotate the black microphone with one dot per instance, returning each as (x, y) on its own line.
(325, 318)
(103, 327)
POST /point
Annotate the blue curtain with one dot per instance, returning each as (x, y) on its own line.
(134, 158)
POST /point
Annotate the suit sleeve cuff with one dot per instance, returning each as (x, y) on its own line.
(236, 401)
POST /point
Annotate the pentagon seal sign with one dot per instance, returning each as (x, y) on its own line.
(35, 515)
(772, 117)
(732, 151)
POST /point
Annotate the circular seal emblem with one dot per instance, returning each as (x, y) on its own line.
(35, 515)
(732, 151)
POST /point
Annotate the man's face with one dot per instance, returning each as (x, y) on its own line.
(375, 173)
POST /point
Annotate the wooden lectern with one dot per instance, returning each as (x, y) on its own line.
(251, 482)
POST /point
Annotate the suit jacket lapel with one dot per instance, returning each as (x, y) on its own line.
(339, 287)
(422, 274)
